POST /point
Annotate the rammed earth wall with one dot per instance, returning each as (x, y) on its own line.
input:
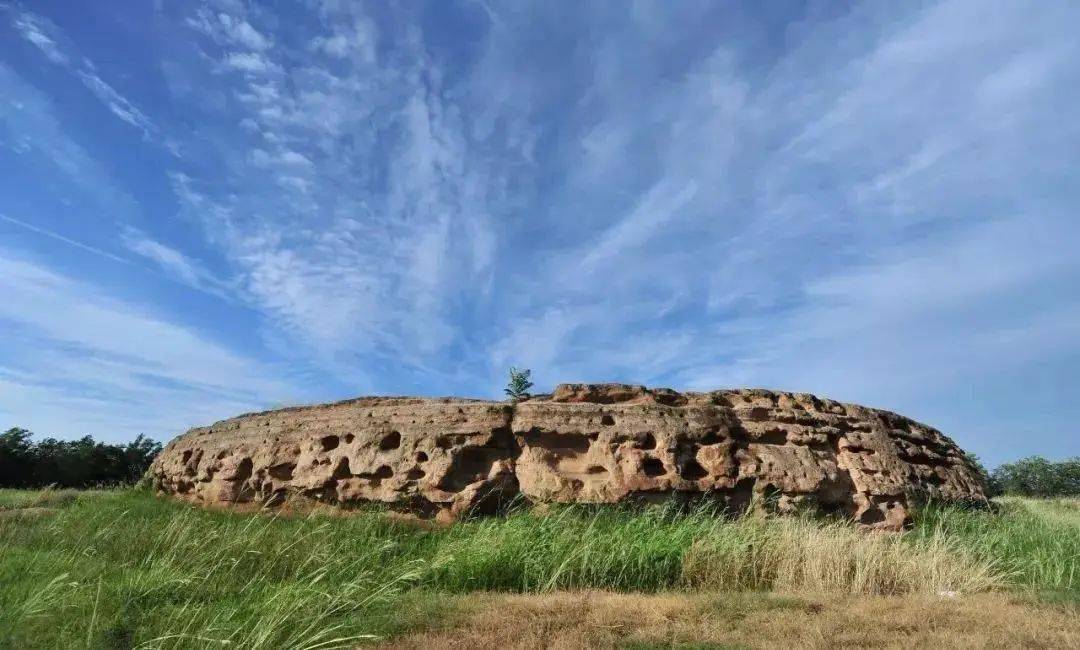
(584, 443)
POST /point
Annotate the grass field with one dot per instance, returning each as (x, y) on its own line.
(122, 569)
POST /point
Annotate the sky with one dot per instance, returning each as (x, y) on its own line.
(222, 206)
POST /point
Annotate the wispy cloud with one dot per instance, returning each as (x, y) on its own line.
(34, 129)
(864, 223)
(35, 30)
(249, 62)
(377, 219)
(658, 206)
(47, 37)
(67, 240)
(175, 264)
(226, 29)
(352, 37)
(71, 345)
(119, 105)
(756, 189)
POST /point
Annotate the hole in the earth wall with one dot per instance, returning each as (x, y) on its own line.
(391, 441)
(342, 470)
(653, 467)
(692, 470)
(645, 441)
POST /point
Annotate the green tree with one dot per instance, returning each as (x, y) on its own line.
(519, 384)
(1036, 476)
(16, 452)
(71, 463)
(993, 489)
(138, 454)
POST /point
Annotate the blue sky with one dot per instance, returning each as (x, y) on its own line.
(213, 207)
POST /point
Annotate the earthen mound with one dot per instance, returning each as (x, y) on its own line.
(586, 443)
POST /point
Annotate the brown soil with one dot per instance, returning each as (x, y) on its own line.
(609, 620)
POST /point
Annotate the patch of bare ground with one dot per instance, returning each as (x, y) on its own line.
(32, 511)
(594, 619)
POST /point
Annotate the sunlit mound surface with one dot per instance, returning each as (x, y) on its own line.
(584, 443)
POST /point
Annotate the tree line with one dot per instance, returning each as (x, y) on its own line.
(1036, 476)
(78, 463)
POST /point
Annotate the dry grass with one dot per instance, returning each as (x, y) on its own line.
(33, 511)
(810, 556)
(48, 497)
(747, 620)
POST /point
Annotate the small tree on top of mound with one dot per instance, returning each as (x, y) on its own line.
(519, 384)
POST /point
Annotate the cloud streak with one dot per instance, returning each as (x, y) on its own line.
(76, 348)
(66, 240)
(44, 35)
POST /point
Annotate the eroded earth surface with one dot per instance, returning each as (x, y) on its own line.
(584, 443)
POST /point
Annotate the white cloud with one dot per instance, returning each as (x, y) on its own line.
(226, 29)
(337, 45)
(352, 36)
(33, 114)
(311, 229)
(710, 194)
(249, 62)
(33, 29)
(78, 358)
(661, 204)
(247, 35)
(175, 264)
(116, 103)
(46, 36)
(281, 158)
(67, 240)
(865, 222)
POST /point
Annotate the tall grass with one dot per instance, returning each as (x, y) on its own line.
(126, 571)
(1034, 542)
(572, 547)
(48, 497)
(659, 549)
(806, 555)
(123, 569)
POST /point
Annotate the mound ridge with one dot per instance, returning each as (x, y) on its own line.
(585, 443)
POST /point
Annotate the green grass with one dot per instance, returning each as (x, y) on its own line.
(1034, 542)
(125, 568)
(122, 569)
(19, 499)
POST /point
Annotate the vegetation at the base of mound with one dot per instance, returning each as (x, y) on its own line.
(123, 568)
(1034, 542)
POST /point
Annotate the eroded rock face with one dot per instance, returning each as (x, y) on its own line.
(589, 443)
